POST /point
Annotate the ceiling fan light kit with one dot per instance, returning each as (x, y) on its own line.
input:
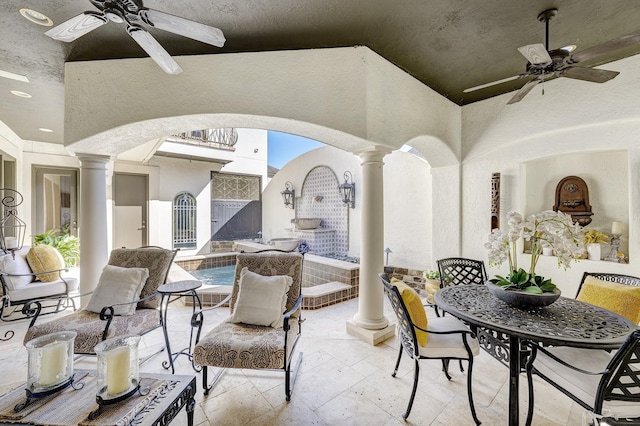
(133, 14)
(544, 64)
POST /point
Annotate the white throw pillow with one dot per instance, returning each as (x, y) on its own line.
(261, 299)
(19, 265)
(118, 285)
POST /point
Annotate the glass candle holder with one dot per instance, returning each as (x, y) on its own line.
(50, 361)
(117, 369)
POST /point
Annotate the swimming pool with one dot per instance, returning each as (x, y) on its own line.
(220, 275)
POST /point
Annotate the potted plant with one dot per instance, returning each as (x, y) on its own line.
(592, 239)
(432, 284)
(546, 229)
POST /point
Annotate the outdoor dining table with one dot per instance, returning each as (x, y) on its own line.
(501, 328)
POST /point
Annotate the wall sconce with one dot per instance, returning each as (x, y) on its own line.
(12, 228)
(348, 190)
(289, 195)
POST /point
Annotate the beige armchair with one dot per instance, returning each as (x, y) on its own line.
(248, 339)
(137, 316)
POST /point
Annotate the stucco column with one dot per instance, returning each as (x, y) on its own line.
(93, 220)
(370, 315)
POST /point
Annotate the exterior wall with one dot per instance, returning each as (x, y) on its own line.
(407, 211)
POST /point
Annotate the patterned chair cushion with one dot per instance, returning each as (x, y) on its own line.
(230, 345)
(156, 260)
(90, 328)
(275, 263)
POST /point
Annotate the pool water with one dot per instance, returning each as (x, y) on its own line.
(221, 275)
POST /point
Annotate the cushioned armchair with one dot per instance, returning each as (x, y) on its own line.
(264, 325)
(125, 301)
(27, 275)
(443, 338)
(605, 383)
(615, 292)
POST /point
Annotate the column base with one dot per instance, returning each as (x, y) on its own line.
(372, 337)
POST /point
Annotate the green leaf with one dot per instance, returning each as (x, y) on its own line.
(533, 289)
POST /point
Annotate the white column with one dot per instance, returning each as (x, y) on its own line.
(370, 315)
(93, 220)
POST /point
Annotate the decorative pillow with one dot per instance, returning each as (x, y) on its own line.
(416, 309)
(44, 258)
(19, 265)
(261, 299)
(622, 299)
(118, 285)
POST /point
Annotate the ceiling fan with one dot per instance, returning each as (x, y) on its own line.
(133, 13)
(544, 64)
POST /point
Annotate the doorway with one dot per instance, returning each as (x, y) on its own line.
(56, 201)
(130, 195)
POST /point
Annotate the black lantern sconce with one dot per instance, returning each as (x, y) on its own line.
(348, 190)
(289, 195)
(12, 228)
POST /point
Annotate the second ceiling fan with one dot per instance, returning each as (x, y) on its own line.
(544, 64)
(133, 14)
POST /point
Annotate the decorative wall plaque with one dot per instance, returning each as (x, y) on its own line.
(572, 197)
(495, 201)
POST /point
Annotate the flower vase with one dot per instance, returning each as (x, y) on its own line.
(594, 251)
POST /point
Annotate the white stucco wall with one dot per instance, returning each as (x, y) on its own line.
(573, 117)
(407, 202)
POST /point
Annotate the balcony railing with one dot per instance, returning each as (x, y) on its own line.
(222, 138)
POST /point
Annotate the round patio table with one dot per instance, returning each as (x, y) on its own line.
(567, 322)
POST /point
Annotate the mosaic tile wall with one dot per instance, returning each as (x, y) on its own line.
(320, 198)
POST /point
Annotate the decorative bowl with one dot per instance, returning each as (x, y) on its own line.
(285, 244)
(523, 299)
(308, 223)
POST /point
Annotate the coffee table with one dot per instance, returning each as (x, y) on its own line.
(168, 394)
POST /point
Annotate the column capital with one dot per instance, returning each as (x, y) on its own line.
(374, 155)
(93, 158)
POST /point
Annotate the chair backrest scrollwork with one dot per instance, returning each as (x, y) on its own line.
(459, 270)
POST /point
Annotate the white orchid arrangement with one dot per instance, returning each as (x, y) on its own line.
(545, 229)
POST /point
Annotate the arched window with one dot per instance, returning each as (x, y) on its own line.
(184, 221)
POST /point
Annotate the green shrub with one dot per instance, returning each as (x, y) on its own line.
(67, 244)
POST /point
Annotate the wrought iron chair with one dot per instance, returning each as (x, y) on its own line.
(21, 286)
(605, 383)
(92, 327)
(459, 270)
(448, 338)
(615, 292)
(249, 346)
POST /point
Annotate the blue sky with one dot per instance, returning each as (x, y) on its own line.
(284, 147)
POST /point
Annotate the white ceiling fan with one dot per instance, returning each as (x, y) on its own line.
(133, 14)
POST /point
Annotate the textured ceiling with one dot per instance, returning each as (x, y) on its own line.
(449, 45)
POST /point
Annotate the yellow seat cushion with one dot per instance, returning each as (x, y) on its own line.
(622, 299)
(416, 309)
(42, 258)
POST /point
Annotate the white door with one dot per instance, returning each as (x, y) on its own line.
(130, 210)
(127, 226)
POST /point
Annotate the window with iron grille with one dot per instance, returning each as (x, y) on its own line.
(184, 221)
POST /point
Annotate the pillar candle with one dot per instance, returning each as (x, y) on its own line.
(11, 243)
(117, 370)
(616, 228)
(53, 363)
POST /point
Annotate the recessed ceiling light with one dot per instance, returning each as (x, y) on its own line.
(21, 94)
(36, 17)
(12, 76)
(44, 129)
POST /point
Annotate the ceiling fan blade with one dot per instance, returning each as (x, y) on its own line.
(601, 49)
(183, 27)
(493, 83)
(535, 54)
(154, 49)
(524, 90)
(589, 74)
(77, 26)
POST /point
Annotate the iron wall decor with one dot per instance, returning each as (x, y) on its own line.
(495, 201)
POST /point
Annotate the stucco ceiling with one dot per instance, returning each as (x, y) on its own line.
(449, 45)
